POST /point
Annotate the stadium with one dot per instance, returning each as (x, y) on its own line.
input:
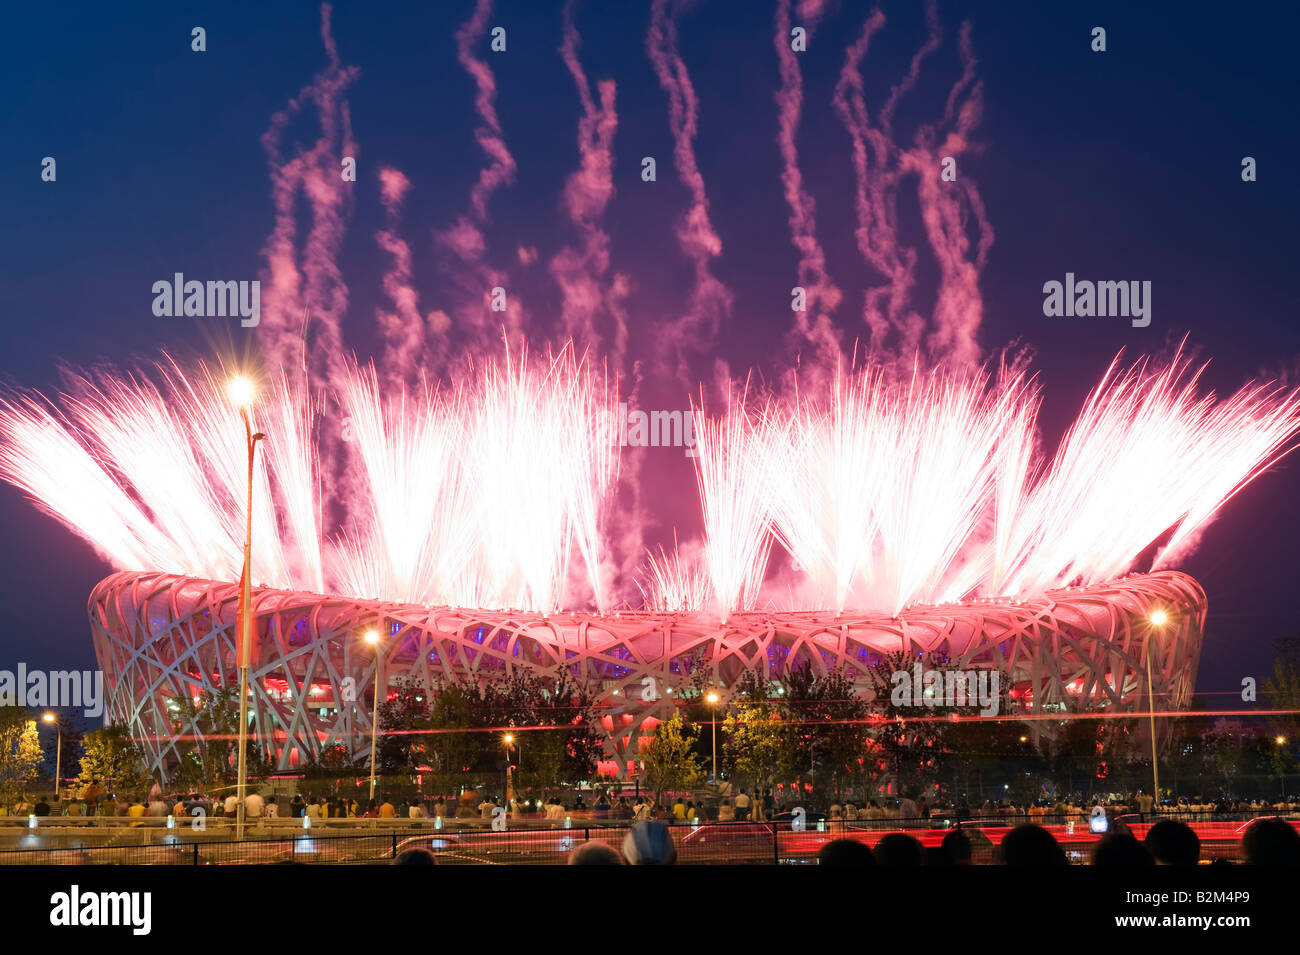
(163, 636)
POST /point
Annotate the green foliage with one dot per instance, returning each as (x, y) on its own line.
(669, 759)
(760, 743)
(20, 753)
(114, 758)
(211, 725)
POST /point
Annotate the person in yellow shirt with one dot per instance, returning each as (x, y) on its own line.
(387, 810)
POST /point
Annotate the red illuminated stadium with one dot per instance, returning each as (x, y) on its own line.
(161, 636)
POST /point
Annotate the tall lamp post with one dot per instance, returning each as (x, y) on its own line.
(713, 702)
(372, 638)
(58, 753)
(509, 740)
(240, 391)
(1158, 619)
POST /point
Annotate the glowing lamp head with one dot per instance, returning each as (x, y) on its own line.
(372, 637)
(48, 717)
(712, 697)
(1281, 741)
(508, 738)
(240, 391)
(1159, 617)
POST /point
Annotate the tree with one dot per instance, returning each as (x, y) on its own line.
(451, 750)
(20, 753)
(828, 723)
(669, 759)
(760, 743)
(401, 747)
(114, 758)
(212, 723)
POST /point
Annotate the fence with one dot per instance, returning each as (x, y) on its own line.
(743, 843)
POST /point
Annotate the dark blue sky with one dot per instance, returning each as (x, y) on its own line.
(1123, 165)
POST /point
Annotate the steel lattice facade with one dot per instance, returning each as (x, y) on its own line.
(161, 636)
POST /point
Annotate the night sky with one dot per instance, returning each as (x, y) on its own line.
(1117, 165)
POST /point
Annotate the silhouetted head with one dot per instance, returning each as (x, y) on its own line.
(415, 856)
(956, 848)
(845, 852)
(1120, 848)
(898, 849)
(1172, 842)
(1271, 841)
(1031, 845)
(595, 853)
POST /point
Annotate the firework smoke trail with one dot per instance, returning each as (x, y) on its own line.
(959, 308)
(406, 344)
(880, 165)
(710, 301)
(312, 286)
(580, 271)
(813, 325)
(464, 241)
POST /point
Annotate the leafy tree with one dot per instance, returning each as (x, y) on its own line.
(669, 759)
(451, 750)
(400, 750)
(760, 743)
(212, 724)
(828, 723)
(20, 753)
(114, 758)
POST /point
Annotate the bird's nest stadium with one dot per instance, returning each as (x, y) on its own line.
(162, 636)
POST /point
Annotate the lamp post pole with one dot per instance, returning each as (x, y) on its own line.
(58, 754)
(713, 702)
(372, 638)
(241, 393)
(1158, 619)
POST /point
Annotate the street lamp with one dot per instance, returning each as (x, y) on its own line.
(509, 739)
(372, 638)
(712, 699)
(58, 753)
(240, 392)
(1158, 618)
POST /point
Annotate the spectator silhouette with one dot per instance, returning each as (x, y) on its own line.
(1172, 842)
(595, 853)
(898, 849)
(845, 852)
(955, 849)
(416, 855)
(1271, 841)
(1120, 848)
(1031, 845)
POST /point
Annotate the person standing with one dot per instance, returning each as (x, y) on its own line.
(742, 806)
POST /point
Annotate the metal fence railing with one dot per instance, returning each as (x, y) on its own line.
(741, 843)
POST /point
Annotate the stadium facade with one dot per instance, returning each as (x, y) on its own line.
(159, 637)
